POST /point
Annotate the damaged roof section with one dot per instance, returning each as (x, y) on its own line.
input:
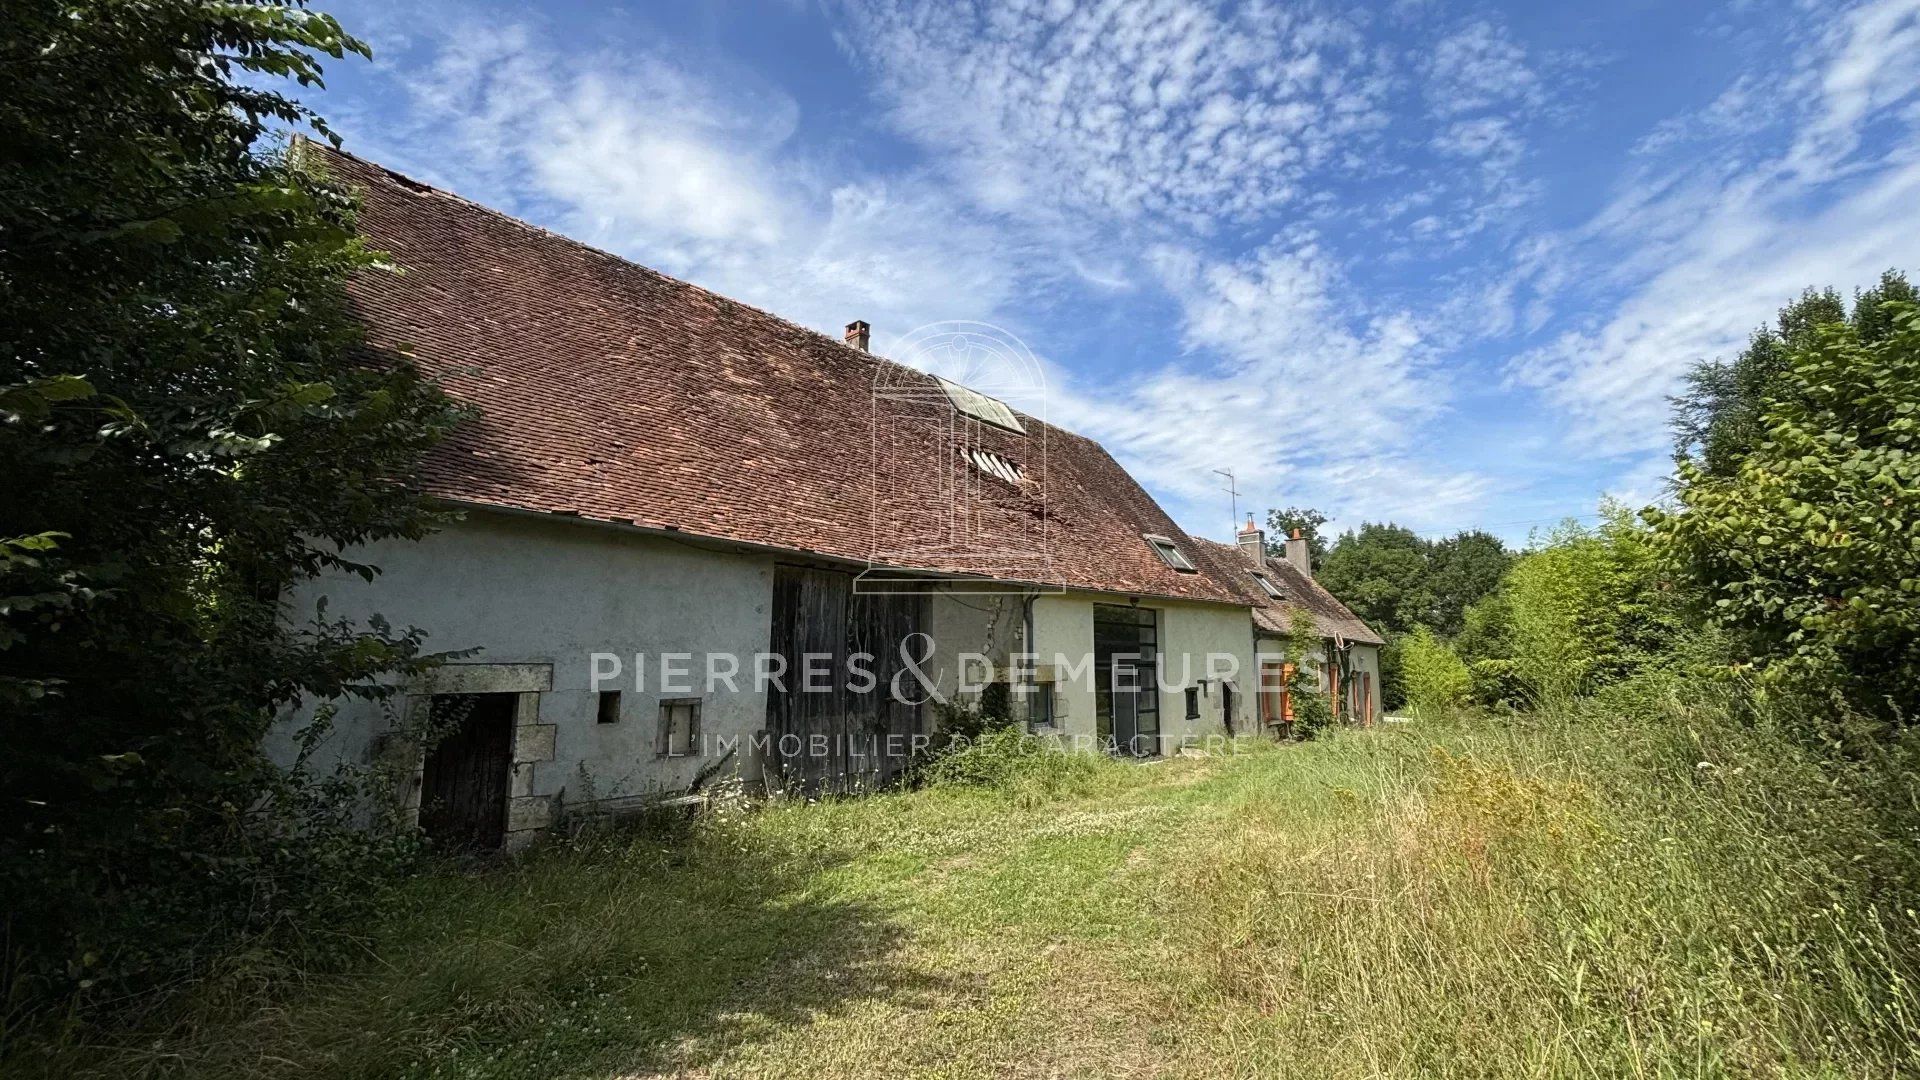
(612, 392)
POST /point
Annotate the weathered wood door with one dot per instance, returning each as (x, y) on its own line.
(827, 735)
(463, 791)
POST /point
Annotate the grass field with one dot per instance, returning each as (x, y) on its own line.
(1463, 898)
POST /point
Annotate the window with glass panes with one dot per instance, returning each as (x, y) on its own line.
(1126, 649)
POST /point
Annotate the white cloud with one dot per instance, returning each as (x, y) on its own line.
(1159, 109)
(1703, 254)
(1306, 403)
(1875, 65)
(1489, 139)
(1479, 66)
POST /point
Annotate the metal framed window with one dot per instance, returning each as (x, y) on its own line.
(1126, 647)
(973, 403)
(679, 732)
(1267, 586)
(1169, 553)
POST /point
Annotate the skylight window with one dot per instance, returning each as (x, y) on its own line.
(994, 465)
(1267, 585)
(980, 406)
(1170, 554)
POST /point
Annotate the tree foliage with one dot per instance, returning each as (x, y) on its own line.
(1380, 571)
(1805, 544)
(1581, 609)
(186, 430)
(1463, 568)
(1590, 607)
(1397, 580)
(1722, 414)
(1280, 526)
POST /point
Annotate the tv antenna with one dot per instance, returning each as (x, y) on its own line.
(1233, 497)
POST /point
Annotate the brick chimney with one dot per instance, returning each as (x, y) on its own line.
(1297, 553)
(859, 334)
(1253, 543)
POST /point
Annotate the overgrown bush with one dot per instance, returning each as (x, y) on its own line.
(1805, 545)
(1587, 607)
(1495, 684)
(1028, 767)
(1306, 654)
(188, 428)
(1312, 712)
(1437, 679)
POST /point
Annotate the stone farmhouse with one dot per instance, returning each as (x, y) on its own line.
(698, 541)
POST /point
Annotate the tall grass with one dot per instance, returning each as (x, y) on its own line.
(1639, 887)
(1565, 895)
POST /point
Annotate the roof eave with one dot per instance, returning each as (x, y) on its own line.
(726, 543)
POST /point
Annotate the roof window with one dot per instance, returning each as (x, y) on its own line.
(1169, 554)
(980, 406)
(1267, 586)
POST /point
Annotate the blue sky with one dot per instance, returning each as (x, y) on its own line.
(1435, 263)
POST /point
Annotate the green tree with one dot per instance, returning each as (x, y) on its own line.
(1393, 681)
(1381, 572)
(188, 431)
(1720, 417)
(1280, 526)
(1436, 678)
(1397, 580)
(1485, 643)
(1806, 547)
(1486, 630)
(1462, 569)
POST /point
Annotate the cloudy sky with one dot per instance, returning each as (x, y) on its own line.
(1435, 263)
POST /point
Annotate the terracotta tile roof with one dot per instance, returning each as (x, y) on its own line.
(612, 392)
(1271, 616)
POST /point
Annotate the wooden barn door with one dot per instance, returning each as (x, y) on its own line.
(826, 737)
(463, 790)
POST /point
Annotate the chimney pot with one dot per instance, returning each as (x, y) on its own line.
(1253, 543)
(859, 335)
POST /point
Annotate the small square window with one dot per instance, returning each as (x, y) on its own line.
(1267, 586)
(1170, 554)
(1040, 705)
(679, 730)
(609, 707)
